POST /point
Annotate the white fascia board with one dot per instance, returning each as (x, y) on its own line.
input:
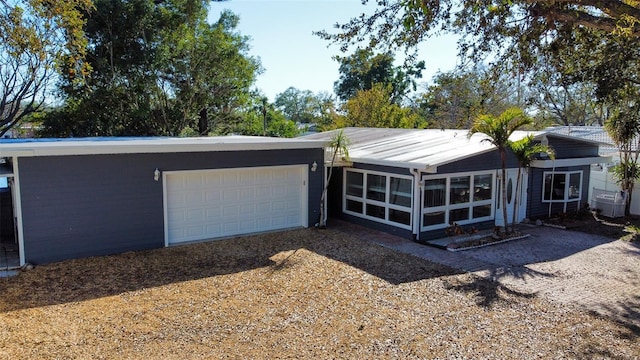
(398, 164)
(570, 162)
(58, 148)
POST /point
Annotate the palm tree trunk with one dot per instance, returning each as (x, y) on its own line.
(515, 200)
(503, 181)
(322, 223)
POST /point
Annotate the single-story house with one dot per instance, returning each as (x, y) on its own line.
(74, 198)
(416, 183)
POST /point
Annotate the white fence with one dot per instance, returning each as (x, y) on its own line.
(601, 178)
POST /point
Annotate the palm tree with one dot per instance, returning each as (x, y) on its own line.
(498, 130)
(339, 144)
(624, 129)
(526, 151)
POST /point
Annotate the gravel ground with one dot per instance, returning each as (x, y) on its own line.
(297, 294)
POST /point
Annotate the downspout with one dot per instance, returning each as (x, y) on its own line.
(416, 208)
(553, 175)
(325, 201)
(17, 207)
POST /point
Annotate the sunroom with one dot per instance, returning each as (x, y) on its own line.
(420, 183)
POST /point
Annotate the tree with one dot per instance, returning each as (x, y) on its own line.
(363, 69)
(299, 106)
(519, 26)
(498, 129)
(261, 118)
(37, 38)
(624, 128)
(211, 72)
(526, 151)
(339, 145)
(158, 68)
(457, 97)
(375, 108)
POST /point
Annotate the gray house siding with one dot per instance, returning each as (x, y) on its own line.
(536, 208)
(486, 161)
(567, 148)
(78, 206)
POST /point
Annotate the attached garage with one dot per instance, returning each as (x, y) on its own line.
(220, 203)
(97, 196)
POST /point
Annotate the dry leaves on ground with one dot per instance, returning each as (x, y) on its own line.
(297, 294)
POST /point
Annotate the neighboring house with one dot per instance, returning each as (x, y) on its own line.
(416, 183)
(601, 176)
(85, 197)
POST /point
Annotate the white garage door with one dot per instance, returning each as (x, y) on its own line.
(217, 203)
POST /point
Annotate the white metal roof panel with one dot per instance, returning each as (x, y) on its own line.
(416, 148)
(113, 145)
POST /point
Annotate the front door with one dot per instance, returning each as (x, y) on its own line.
(520, 211)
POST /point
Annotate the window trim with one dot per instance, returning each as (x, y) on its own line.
(448, 207)
(567, 174)
(386, 204)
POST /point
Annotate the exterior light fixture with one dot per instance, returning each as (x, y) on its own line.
(156, 175)
(314, 166)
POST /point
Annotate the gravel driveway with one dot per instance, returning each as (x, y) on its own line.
(577, 269)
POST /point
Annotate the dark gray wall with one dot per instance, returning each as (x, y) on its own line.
(568, 148)
(78, 206)
(537, 209)
(485, 161)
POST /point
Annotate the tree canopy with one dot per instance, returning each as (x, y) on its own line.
(363, 69)
(158, 68)
(375, 108)
(497, 26)
(37, 38)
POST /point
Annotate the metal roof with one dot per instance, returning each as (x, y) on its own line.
(423, 149)
(124, 145)
(593, 133)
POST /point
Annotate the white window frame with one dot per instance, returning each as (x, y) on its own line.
(386, 203)
(447, 207)
(567, 175)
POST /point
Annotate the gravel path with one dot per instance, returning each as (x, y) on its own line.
(589, 271)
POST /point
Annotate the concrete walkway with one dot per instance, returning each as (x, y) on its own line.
(593, 272)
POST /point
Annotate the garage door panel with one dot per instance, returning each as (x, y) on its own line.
(219, 203)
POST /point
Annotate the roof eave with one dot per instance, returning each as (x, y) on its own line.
(570, 162)
(147, 147)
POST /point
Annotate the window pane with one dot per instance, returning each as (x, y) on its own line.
(574, 185)
(354, 183)
(554, 186)
(433, 218)
(355, 206)
(482, 187)
(376, 187)
(376, 211)
(435, 193)
(401, 217)
(481, 211)
(400, 192)
(459, 193)
(458, 215)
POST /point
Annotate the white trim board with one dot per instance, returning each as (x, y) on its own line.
(101, 146)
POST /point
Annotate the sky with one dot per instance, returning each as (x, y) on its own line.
(281, 33)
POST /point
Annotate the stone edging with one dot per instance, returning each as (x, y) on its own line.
(491, 243)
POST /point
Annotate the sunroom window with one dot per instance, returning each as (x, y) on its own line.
(562, 186)
(459, 198)
(381, 197)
